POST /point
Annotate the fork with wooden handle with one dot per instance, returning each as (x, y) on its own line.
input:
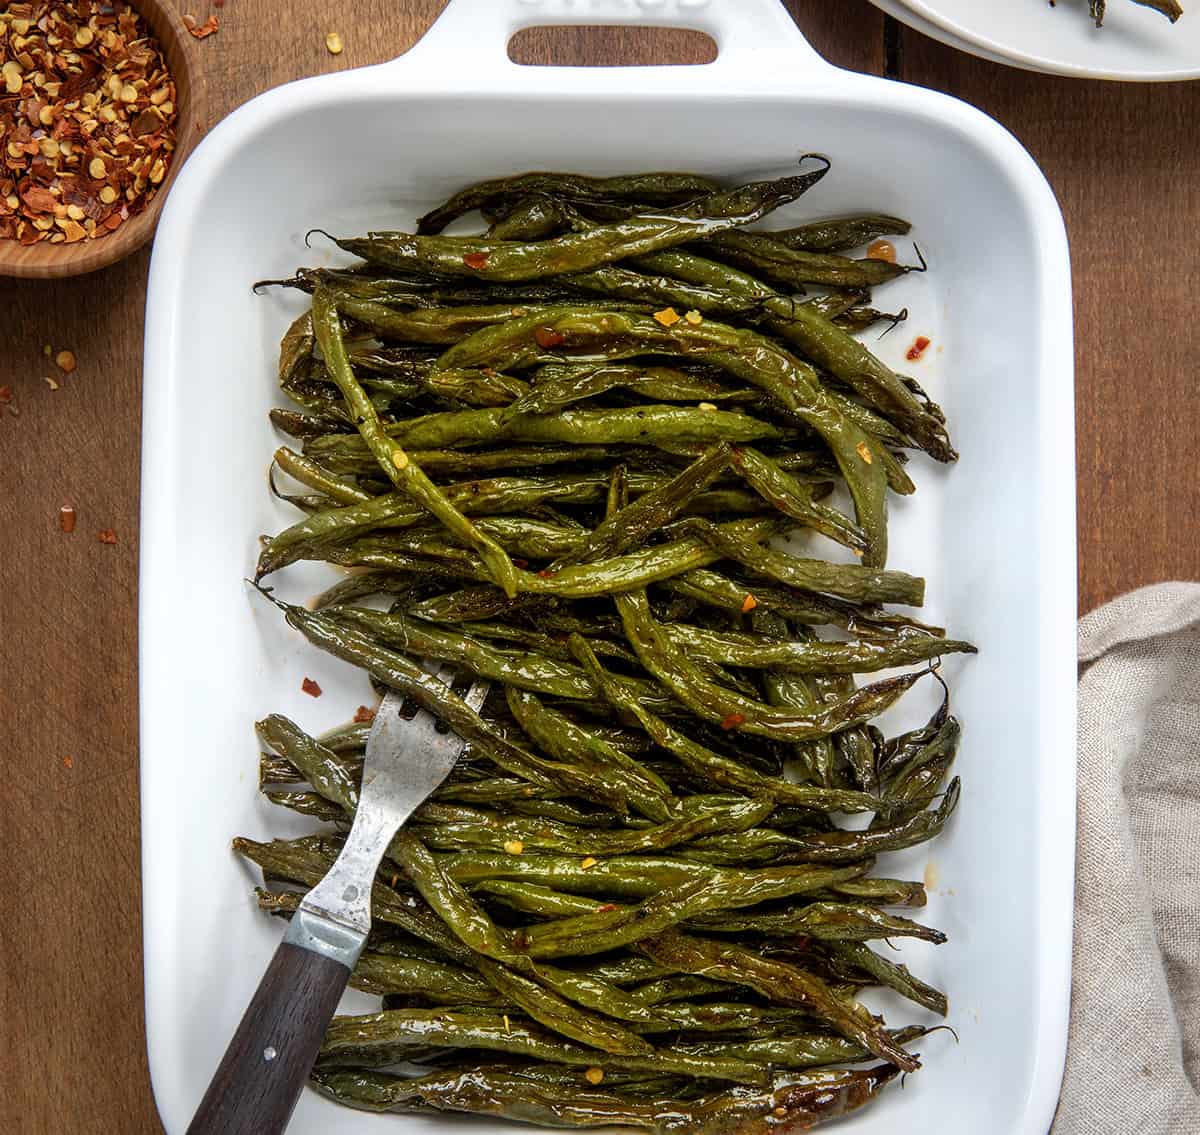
(262, 1073)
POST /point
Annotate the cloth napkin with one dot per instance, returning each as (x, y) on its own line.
(1133, 1057)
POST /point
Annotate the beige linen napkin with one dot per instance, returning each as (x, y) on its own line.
(1133, 1059)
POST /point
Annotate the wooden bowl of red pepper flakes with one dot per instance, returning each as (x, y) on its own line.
(100, 103)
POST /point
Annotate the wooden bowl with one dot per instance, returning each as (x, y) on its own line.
(47, 261)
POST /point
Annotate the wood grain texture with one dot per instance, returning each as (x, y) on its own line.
(71, 1026)
(1123, 161)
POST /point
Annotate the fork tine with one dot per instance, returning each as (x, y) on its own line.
(477, 694)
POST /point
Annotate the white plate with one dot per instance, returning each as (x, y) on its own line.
(1135, 44)
(995, 535)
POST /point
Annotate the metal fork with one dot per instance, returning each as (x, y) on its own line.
(258, 1081)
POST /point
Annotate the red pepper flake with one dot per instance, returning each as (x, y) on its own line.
(748, 604)
(66, 518)
(545, 573)
(106, 536)
(5, 395)
(476, 260)
(363, 714)
(204, 30)
(733, 721)
(606, 908)
(547, 337)
(68, 762)
(882, 250)
(919, 347)
(311, 688)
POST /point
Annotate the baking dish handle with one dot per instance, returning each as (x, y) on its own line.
(754, 37)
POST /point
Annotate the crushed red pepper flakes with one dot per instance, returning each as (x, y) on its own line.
(476, 260)
(919, 347)
(202, 31)
(106, 536)
(79, 75)
(547, 337)
(68, 762)
(311, 688)
(364, 714)
(748, 604)
(66, 518)
(606, 908)
(66, 361)
(733, 721)
(6, 395)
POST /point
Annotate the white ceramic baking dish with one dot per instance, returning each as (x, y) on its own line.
(994, 535)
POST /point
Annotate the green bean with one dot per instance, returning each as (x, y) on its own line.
(531, 898)
(778, 981)
(794, 498)
(560, 1015)
(792, 268)
(745, 354)
(884, 892)
(805, 326)
(501, 1092)
(619, 878)
(522, 669)
(622, 426)
(598, 931)
(557, 386)
(643, 188)
(565, 740)
(630, 525)
(381, 1038)
(826, 921)
(407, 476)
(736, 648)
(805, 1050)
(839, 234)
(848, 846)
(448, 899)
(305, 803)
(891, 974)
(308, 472)
(844, 581)
(329, 773)
(443, 325)
(733, 711)
(446, 984)
(712, 766)
(395, 670)
(917, 782)
(731, 595)
(838, 352)
(578, 251)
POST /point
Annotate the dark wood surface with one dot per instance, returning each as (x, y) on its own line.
(1124, 164)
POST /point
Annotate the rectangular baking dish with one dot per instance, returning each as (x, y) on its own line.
(994, 535)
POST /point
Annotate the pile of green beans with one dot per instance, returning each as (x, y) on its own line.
(561, 456)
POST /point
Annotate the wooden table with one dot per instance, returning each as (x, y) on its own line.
(1126, 169)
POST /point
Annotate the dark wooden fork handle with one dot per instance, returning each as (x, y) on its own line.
(262, 1073)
